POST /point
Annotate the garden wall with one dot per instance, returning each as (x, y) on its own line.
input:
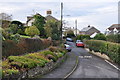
(26, 45)
(108, 48)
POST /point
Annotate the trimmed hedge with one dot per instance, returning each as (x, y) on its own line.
(108, 48)
(25, 45)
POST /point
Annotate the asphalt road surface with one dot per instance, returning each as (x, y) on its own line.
(91, 66)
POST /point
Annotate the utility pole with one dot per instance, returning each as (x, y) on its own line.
(76, 26)
(61, 20)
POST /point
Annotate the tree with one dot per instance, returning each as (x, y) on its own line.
(39, 23)
(14, 28)
(19, 27)
(100, 36)
(5, 20)
(32, 30)
(5, 16)
(69, 33)
(52, 29)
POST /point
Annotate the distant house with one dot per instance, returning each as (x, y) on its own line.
(30, 19)
(113, 29)
(50, 17)
(89, 30)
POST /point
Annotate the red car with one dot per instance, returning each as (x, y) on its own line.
(79, 43)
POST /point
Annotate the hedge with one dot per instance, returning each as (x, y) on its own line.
(108, 48)
(25, 45)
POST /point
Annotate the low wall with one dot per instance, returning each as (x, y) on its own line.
(38, 70)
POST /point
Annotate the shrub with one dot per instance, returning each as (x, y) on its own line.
(26, 45)
(82, 37)
(111, 49)
(10, 71)
(53, 49)
(31, 31)
(25, 61)
(9, 47)
(46, 43)
(100, 36)
(113, 38)
(48, 53)
(16, 64)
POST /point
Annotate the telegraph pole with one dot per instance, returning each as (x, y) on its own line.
(76, 26)
(61, 20)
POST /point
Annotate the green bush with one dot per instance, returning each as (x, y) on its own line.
(10, 71)
(100, 36)
(82, 37)
(26, 62)
(108, 48)
(50, 54)
(32, 30)
(113, 38)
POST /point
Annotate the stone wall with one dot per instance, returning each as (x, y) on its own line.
(38, 70)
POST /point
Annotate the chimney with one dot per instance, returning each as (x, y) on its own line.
(49, 12)
(88, 25)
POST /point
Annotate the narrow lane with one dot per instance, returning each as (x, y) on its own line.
(91, 66)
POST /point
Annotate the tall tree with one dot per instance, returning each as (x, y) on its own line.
(39, 23)
(69, 33)
(17, 27)
(52, 29)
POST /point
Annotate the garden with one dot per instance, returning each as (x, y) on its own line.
(26, 47)
(19, 64)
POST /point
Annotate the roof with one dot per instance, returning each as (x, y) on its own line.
(86, 28)
(117, 26)
(49, 17)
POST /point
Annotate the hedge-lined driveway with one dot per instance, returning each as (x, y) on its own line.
(91, 66)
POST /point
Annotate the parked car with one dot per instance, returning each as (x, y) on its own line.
(79, 43)
(68, 47)
(69, 39)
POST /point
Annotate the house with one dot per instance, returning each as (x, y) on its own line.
(89, 30)
(30, 19)
(50, 17)
(113, 29)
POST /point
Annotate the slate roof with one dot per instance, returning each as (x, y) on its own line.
(49, 17)
(86, 29)
(117, 26)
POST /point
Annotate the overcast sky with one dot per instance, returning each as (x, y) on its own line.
(98, 13)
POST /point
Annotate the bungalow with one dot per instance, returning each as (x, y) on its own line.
(90, 30)
(113, 29)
